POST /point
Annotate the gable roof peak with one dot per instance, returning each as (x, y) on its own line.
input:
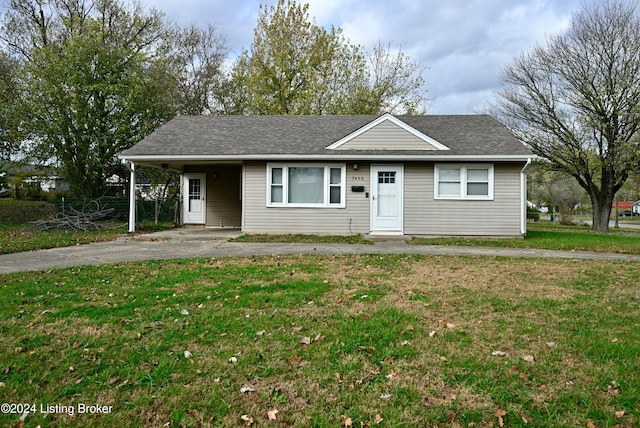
(358, 140)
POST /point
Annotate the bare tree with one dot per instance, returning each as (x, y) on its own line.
(575, 101)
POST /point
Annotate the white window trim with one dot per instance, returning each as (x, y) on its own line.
(463, 181)
(327, 184)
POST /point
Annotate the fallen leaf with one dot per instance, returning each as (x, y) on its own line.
(432, 333)
(385, 396)
(378, 419)
(272, 414)
(348, 422)
(500, 413)
(305, 340)
(337, 377)
(443, 358)
(449, 325)
(295, 359)
(590, 424)
(528, 358)
(248, 419)
(612, 391)
(619, 414)
(188, 354)
(184, 312)
(246, 389)
(551, 344)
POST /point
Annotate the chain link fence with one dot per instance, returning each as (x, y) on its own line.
(147, 211)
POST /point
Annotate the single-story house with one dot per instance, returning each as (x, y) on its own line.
(389, 175)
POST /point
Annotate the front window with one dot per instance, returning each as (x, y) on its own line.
(306, 185)
(463, 181)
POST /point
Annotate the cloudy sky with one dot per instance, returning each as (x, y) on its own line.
(464, 43)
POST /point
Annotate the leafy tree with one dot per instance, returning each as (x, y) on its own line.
(89, 100)
(194, 59)
(297, 67)
(9, 96)
(99, 75)
(575, 101)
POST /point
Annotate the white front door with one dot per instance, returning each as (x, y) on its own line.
(195, 189)
(386, 198)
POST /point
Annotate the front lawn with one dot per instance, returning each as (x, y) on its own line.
(553, 237)
(325, 341)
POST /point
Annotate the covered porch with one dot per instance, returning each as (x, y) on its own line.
(210, 193)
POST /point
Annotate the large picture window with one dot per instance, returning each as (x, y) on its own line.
(306, 185)
(463, 181)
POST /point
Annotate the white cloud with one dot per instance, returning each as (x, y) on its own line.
(465, 43)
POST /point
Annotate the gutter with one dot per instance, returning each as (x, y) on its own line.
(332, 157)
(523, 193)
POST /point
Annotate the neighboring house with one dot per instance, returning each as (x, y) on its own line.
(35, 177)
(413, 175)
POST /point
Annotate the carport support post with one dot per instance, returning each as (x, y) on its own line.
(132, 198)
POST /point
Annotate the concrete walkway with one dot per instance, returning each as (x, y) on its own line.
(197, 242)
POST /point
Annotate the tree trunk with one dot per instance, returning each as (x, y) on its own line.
(601, 212)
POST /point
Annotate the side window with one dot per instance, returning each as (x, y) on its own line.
(463, 181)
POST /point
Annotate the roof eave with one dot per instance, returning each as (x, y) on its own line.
(331, 157)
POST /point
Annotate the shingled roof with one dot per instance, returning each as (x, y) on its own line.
(271, 137)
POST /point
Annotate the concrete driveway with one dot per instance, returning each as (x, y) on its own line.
(198, 242)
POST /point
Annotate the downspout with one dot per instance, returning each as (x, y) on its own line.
(132, 194)
(523, 193)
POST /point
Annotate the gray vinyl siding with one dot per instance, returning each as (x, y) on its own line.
(425, 215)
(354, 218)
(224, 206)
(386, 136)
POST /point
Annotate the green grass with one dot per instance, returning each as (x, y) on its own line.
(17, 239)
(303, 238)
(394, 341)
(552, 237)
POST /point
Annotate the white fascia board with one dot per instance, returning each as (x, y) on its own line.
(328, 157)
(394, 120)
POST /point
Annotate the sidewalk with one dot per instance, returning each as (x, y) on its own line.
(196, 242)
